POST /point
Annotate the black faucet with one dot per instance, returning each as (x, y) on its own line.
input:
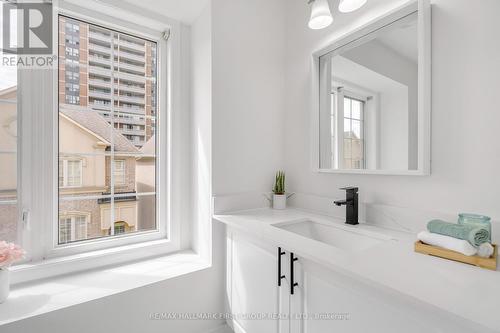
(351, 205)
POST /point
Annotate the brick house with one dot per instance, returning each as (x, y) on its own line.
(85, 171)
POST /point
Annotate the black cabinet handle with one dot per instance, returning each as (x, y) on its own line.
(280, 277)
(293, 284)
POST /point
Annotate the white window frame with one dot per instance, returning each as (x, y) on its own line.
(41, 240)
(120, 181)
(65, 173)
(346, 94)
(73, 216)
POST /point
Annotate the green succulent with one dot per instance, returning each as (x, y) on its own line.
(279, 183)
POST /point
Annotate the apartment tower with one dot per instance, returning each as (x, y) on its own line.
(87, 54)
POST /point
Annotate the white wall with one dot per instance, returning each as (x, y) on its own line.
(201, 104)
(248, 94)
(466, 80)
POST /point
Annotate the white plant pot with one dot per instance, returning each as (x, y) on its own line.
(4, 284)
(279, 201)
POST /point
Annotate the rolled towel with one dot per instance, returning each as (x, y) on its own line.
(475, 235)
(485, 250)
(447, 242)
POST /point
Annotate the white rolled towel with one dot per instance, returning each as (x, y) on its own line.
(485, 250)
(446, 242)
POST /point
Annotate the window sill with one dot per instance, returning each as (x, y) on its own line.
(39, 297)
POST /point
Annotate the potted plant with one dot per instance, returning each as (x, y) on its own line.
(9, 253)
(279, 194)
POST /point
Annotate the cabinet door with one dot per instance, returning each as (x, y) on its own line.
(325, 302)
(255, 299)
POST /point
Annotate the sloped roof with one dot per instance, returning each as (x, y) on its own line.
(149, 148)
(8, 92)
(95, 123)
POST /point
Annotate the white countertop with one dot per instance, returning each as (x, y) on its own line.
(467, 291)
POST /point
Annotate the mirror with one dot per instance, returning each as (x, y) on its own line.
(369, 113)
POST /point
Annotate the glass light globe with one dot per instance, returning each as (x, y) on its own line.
(321, 16)
(347, 6)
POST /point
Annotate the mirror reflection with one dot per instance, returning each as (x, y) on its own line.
(369, 101)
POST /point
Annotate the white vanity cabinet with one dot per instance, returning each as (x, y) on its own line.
(253, 294)
(331, 303)
(258, 304)
(323, 300)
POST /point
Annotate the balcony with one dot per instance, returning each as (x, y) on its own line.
(128, 121)
(99, 94)
(99, 70)
(137, 132)
(131, 77)
(100, 83)
(100, 60)
(130, 45)
(131, 56)
(99, 48)
(99, 36)
(131, 88)
(129, 110)
(120, 87)
(140, 69)
(131, 99)
(100, 107)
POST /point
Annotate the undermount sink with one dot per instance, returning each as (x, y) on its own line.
(337, 236)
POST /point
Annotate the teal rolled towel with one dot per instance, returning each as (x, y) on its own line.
(475, 235)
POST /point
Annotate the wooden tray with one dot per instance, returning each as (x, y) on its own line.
(488, 263)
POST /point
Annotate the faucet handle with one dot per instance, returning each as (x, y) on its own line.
(351, 189)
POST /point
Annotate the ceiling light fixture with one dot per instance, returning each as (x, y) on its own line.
(321, 16)
(347, 6)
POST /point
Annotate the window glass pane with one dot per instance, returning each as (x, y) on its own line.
(120, 177)
(64, 230)
(146, 212)
(356, 109)
(356, 129)
(347, 107)
(347, 163)
(347, 148)
(8, 153)
(347, 128)
(107, 131)
(357, 149)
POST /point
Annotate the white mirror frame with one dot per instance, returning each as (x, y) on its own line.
(423, 8)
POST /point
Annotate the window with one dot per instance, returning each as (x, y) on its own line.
(72, 76)
(120, 172)
(73, 41)
(353, 133)
(72, 52)
(120, 228)
(72, 228)
(118, 182)
(72, 88)
(71, 99)
(72, 28)
(70, 173)
(87, 187)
